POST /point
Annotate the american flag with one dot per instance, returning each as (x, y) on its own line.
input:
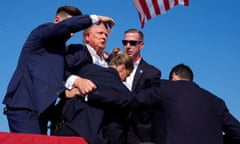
(148, 9)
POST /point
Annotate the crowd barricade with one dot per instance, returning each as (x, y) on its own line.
(24, 138)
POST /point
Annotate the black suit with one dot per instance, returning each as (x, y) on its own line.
(147, 77)
(38, 78)
(86, 119)
(188, 114)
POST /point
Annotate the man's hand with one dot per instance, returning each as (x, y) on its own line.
(71, 93)
(84, 86)
(107, 20)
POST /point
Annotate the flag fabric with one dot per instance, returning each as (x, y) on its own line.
(148, 9)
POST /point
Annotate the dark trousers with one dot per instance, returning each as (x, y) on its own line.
(63, 130)
(26, 121)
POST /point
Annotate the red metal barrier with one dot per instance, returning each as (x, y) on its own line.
(22, 138)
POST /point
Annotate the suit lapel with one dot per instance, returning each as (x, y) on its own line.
(139, 73)
(88, 54)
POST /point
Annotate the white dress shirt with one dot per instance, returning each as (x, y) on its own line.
(97, 59)
(129, 80)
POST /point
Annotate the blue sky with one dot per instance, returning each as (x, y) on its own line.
(204, 35)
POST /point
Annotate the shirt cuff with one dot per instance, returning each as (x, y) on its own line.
(94, 19)
(70, 81)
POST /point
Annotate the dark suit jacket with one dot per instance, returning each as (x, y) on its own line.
(146, 77)
(86, 118)
(38, 78)
(188, 114)
(77, 56)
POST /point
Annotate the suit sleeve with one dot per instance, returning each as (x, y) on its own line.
(148, 95)
(76, 57)
(146, 98)
(111, 98)
(231, 126)
(63, 29)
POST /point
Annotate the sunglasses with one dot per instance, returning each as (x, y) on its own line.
(131, 42)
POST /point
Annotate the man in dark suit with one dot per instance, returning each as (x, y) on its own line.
(85, 118)
(188, 114)
(144, 76)
(38, 78)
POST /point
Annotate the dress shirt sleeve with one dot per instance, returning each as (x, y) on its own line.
(69, 84)
(70, 81)
(94, 19)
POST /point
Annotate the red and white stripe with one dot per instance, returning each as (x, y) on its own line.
(148, 9)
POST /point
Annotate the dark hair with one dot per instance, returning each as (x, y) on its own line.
(183, 72)
(141, 35)
(71, 10)
(107, 25)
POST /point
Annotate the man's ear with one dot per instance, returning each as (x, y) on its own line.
(56, 19)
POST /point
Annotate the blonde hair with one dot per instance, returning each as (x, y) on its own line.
(119, 58)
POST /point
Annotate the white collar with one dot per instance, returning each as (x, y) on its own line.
(97, 59)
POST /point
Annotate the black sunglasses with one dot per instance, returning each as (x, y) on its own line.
(131, 42)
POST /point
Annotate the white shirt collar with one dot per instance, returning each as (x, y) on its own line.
(97, 59)
(130, 78)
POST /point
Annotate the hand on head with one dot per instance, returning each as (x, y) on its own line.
(106, 19)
